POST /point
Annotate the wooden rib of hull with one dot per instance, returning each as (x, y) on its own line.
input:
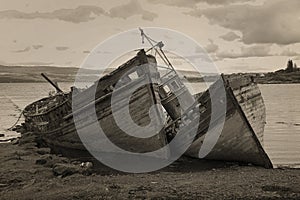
(238, 140)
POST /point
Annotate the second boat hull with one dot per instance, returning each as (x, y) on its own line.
(237, 140)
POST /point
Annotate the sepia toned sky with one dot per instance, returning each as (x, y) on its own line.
(239, 35)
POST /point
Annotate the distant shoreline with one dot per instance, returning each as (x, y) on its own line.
(64, 81)
(192, 80)
(21, 74)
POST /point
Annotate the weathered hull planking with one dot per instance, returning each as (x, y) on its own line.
(241, 136)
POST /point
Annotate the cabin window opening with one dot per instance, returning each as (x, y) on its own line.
(167, 89)
(134, 75)
(175, 85)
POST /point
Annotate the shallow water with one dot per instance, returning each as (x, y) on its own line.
(282, 131)
(13, 99)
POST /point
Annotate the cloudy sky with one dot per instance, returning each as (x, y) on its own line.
(239, 35)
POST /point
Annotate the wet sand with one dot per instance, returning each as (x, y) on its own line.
(28, 172)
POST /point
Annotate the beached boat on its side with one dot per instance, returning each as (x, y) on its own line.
(239, 116)
(52, 117)
(240, 139)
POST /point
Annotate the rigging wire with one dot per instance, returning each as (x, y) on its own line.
(160, 52)
(14, 125)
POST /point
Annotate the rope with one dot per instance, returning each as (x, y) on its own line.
(10, 129)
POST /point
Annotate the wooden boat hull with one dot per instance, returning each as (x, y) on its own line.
(140, 104)
(57, 129)
(249, 98)
(243, 126)
(40, 121)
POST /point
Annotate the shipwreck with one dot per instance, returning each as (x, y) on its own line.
(241, 138)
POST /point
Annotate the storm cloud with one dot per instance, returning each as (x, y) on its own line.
(273, 22)
(62, 48)
(83, 13)
(77, 15)
(130, 9)
(289, 52)
(246, 52)
(193, 3)
(211, 47)
(230, 36)
(22, 50)
(37, 46)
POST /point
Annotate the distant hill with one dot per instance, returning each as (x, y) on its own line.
(279, 77)
(291, 74)
(23, 74)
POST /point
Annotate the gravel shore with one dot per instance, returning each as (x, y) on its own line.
(28, 172)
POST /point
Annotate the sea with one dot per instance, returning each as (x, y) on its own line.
(282, 130)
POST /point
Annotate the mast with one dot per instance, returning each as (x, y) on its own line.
(173, 92)
(52, 83)
(160, 45)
